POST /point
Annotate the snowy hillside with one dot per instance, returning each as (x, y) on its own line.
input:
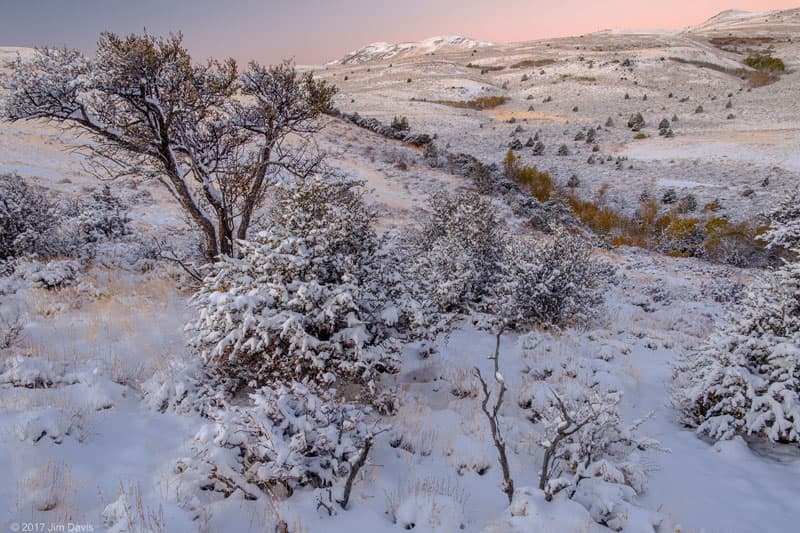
(787, 20)
(548, 286)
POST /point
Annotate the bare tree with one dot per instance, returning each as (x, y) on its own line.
(214, 137)
(492, 416)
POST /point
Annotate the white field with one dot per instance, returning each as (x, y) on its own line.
(101, 339)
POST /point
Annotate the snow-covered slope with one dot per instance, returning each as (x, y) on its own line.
(383, 50)
(785, 20)
(93, 448)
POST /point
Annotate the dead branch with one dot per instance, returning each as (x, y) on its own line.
(168, 253)
(492, 416)
(357, 466)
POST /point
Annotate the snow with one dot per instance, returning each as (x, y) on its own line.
(96, 393)
(530, 512)
(383, 50)
(778, 148)
(681, 183)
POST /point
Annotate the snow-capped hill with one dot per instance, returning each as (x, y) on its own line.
(782, 20)
(435, 43)
(382, 50)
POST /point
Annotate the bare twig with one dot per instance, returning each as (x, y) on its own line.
(492, 416)
(168, 253)
(357, 466)
(360, 462)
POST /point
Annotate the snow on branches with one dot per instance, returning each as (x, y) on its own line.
(550, 282)
(289, 436)
(464, 259)
(149, 110)
(745, 379)
(104, 218)
(457, 251)
(293, 305)
(588, 451)
(784, 227)
(28, 219)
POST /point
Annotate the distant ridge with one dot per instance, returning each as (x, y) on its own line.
(732, 20)
(382, 50)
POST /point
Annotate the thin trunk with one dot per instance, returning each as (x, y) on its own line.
(225, 234)
(253, 194)
(212, 248)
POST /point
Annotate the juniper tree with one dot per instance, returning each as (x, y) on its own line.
(295, 305)
(214, 137)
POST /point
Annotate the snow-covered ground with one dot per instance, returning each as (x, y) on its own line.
(83, 444)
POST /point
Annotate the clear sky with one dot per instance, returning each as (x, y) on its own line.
(315, 31)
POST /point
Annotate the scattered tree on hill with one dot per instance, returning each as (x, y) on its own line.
(636, 122)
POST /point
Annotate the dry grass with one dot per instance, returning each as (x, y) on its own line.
(721, 42)
(486, 68)
(657, 229)
(761, 79)
(533, 63)
(140, 517)
(122, 324)
(478, 104)
(503, 114)
(428, 486)
(539, 184)
(49, 488)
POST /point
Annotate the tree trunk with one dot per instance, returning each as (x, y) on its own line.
(225, 235)
(254, 193)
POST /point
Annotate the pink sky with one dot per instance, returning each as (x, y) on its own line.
(314, 31)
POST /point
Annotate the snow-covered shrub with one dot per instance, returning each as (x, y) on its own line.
(51, 274)
(457, 252)
(27, 219)
(32, 225)
(105, 217)
(636, 122)
(745, 379)
(185, 387)
(290, 436)
(393, 295)
(293, 305)
(129, 514)
(589, 453)
(30, 372)
(52, 422)
(429, 504)
(549, 282)
(529, 511)
(464, 260)
(784, 227)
